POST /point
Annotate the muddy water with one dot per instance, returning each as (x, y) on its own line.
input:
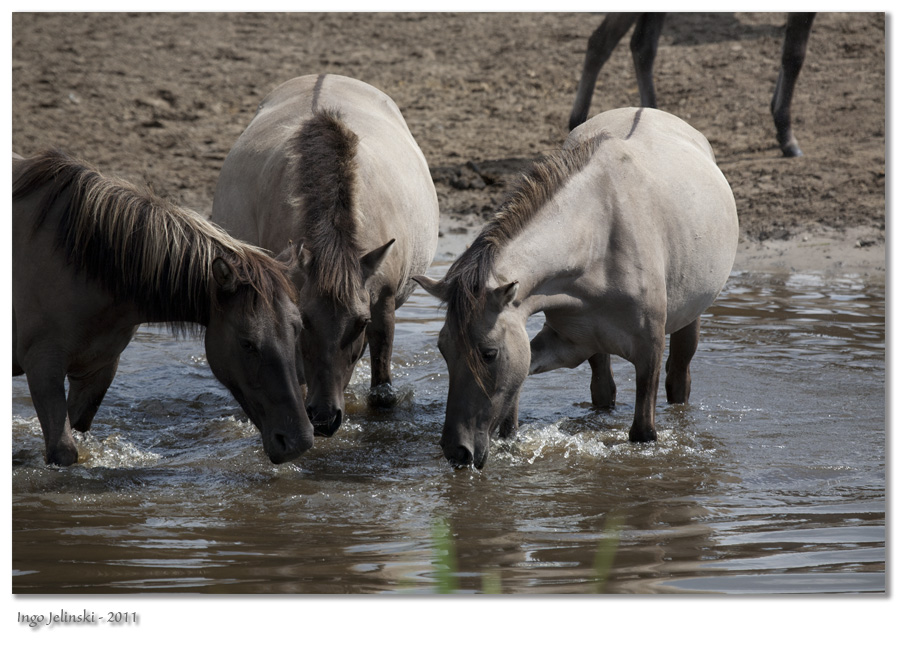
(772, 480)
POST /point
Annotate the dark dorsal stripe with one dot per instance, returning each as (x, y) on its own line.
(634, 124)
(323, 168)
(140, 247)
(317, 92)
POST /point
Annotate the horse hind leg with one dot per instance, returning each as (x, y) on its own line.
(793, 53)
(603, 386)
(682, 346)
(644, 43)
(86, 394)
(600, 46)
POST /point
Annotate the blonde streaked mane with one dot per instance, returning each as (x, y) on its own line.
(464, 284)
(139, 246)
(323, 165)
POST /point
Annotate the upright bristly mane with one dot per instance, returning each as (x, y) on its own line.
(139, 246)
(323, 165)
(464, 284)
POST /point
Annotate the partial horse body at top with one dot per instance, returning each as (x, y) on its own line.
(95, 257)
(624, 236)
(329, 162)
(644, 42)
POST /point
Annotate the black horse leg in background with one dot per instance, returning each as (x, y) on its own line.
(644, 42)
(600, 45)
(793, 53)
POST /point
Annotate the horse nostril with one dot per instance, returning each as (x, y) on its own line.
(459, 456)
(281, 442)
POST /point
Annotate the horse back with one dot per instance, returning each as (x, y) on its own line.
(57, 310)
(673, 208)
(395, 198)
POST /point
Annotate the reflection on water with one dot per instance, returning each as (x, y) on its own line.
(771, 480)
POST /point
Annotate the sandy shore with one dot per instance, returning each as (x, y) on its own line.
(859, 251)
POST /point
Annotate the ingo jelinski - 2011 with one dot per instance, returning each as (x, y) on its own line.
(85, 617)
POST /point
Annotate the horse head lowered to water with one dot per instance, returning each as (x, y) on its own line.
(330, 162)
(94, 257)
(624, 236)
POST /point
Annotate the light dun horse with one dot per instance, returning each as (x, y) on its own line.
(647, 28)
(329, 161)
(95, 257)
(624, 236)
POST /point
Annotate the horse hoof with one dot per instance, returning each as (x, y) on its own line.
(791, 149)
(382, 396)
(642, 434)
(63, 456)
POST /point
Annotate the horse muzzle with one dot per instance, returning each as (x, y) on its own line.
(462, 455)
(283, 446)
(326, 423)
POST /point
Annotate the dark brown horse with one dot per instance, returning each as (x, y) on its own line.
(94, 257)
(644, 41)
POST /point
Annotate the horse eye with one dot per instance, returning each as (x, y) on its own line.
(248, 346)
(489, 354)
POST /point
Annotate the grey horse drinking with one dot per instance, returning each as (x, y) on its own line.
(94, 257)
(626, 235)
(330, 162)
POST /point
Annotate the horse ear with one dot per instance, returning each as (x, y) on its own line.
(434, 287)
(372, 260)
(506, 294)
(290, 255)
(305, 256)
(224, 274)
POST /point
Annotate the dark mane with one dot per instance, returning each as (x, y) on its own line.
(464, 284)
(323, 164)
(140, 247)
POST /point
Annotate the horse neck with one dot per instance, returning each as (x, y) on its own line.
(166, 281)
(546, 258)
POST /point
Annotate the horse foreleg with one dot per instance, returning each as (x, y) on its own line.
(644, 43)
(603, 387)
(600, 45)
(793, 53)
(86, 394)
(647, 364)
(682, 346)
(46, 382)
(509, 425)
(380, 334)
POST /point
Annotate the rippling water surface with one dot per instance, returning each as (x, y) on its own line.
(772, 480)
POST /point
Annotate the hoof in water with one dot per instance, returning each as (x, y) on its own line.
(382, 396)
(642, 434)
